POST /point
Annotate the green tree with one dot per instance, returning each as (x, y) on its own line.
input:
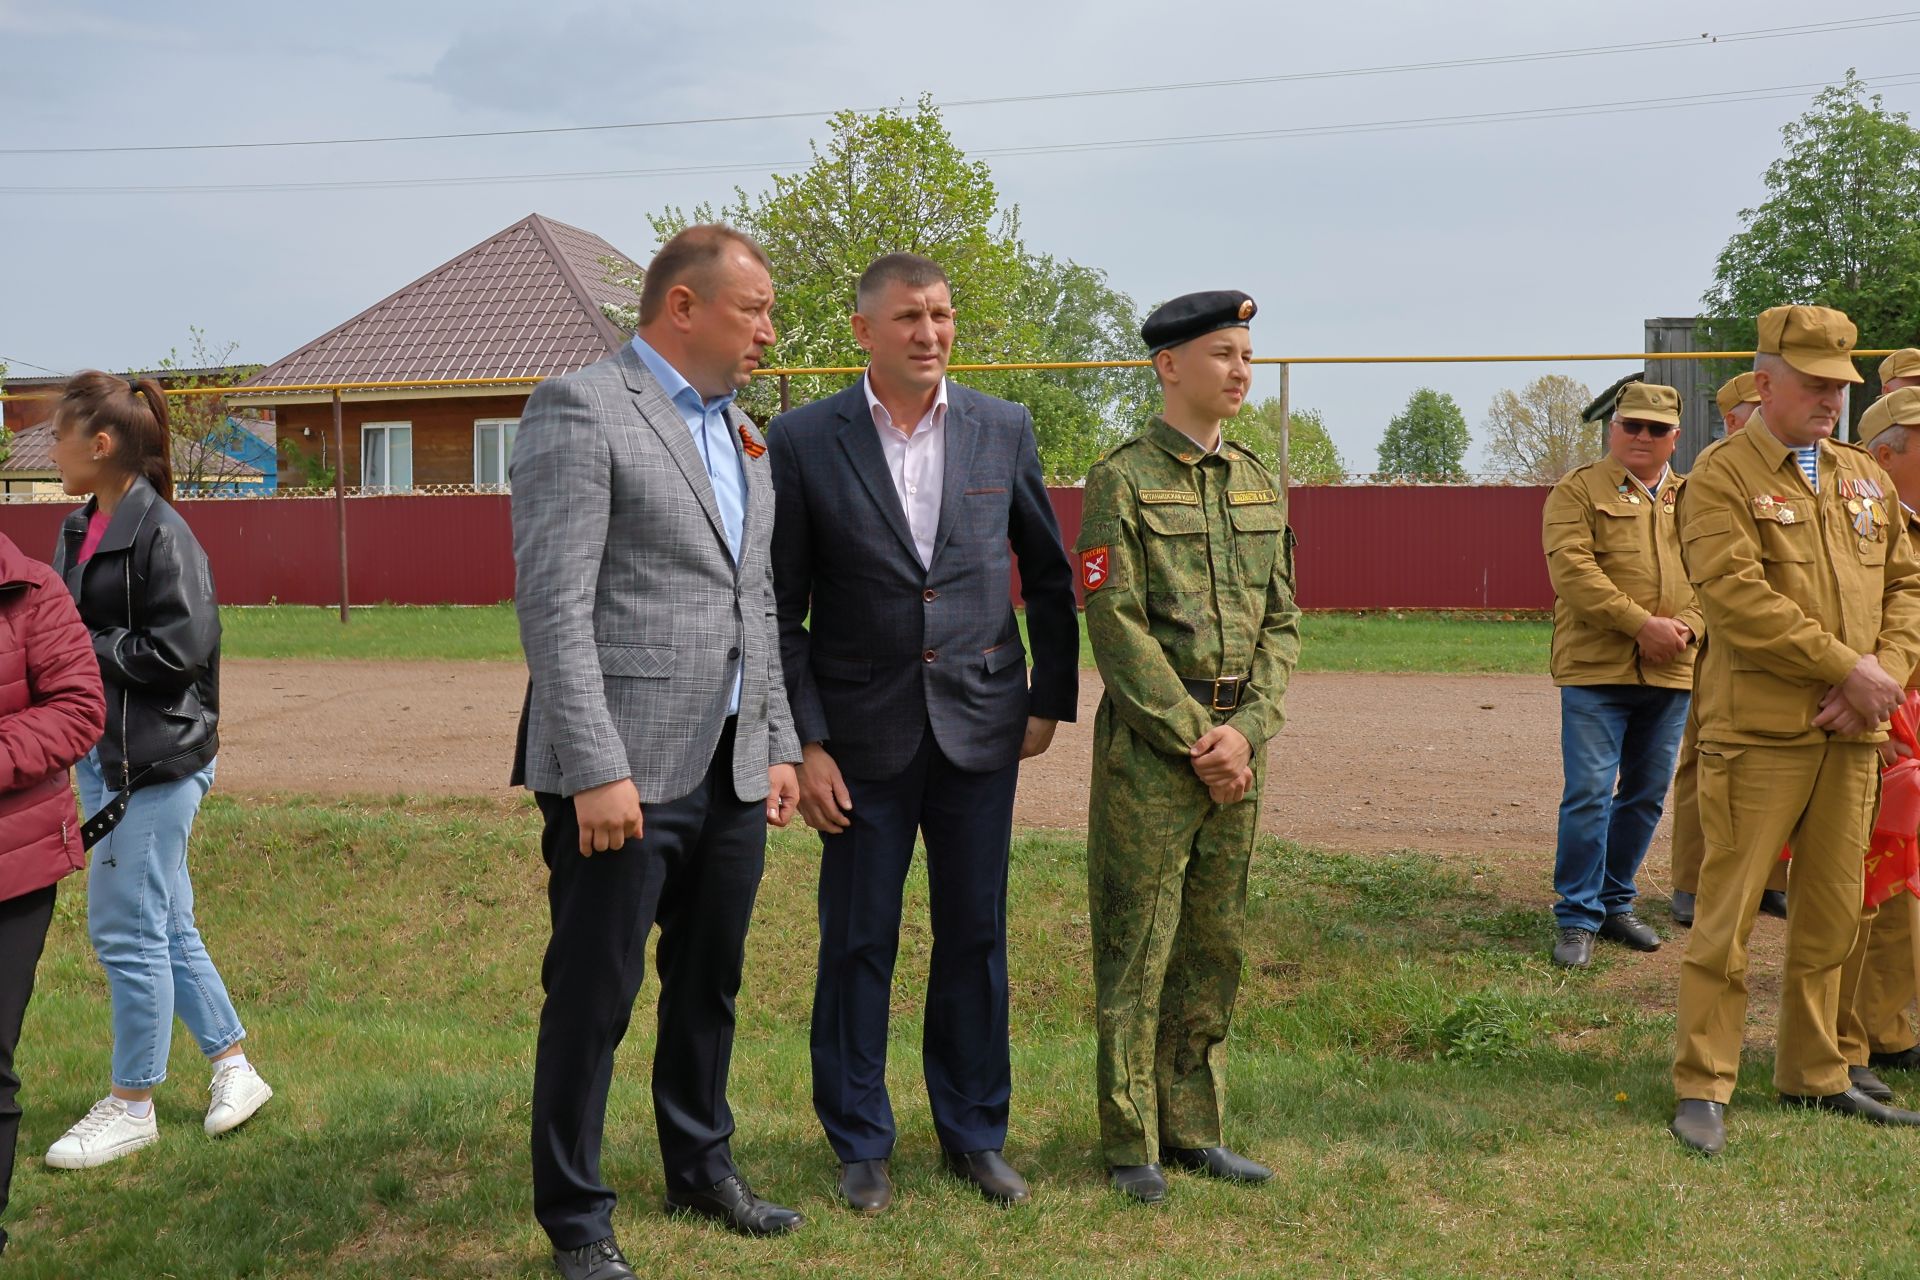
(893, 181)
(1840, 227)
(1537, 434)
(1427, 440)
(1063, 312)
(205, 435)
(1311, 456)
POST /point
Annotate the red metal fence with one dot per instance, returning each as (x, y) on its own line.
(1361, 547)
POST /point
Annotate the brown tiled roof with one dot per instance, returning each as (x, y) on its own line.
(524, 302)
(33, 452)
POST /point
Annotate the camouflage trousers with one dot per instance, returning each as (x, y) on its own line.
(1167, 886)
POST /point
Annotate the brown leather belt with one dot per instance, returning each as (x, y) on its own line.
(1224, 694)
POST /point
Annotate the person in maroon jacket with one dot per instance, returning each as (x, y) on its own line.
(52, 711)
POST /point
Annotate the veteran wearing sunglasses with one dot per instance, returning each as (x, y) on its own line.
(1624, 630)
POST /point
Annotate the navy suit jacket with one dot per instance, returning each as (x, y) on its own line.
(877, 649)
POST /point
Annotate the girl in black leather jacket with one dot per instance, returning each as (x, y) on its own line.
(146, 594)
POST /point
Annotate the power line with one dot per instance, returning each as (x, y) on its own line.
(1705, 39)
(1622, 106)
(10, 361)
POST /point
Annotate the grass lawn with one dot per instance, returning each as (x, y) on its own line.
(1383, 641)
(1438, 1101)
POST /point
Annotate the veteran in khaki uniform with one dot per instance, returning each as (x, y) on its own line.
(1812, 596)
(1737, 400)
(1624, 626)
(1900, 371)
(1876, 1030)
(1187, 568)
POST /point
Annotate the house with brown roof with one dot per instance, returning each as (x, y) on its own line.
(531, 300)
(199, 467)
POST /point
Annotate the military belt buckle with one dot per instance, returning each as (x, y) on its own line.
(1226, 692)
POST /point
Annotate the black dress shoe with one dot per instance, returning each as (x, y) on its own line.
(865, 1186)
(731, 1201)
(1701, 1125)
(1904, 1060)
(1773, 902)
(988, 1171)
(1870, 1084)
(1629, 930)
(1855, 1103)
(1142, 1182)
(1681, 908)
(1575, 948)
(1216, 1162)
(601, 1260)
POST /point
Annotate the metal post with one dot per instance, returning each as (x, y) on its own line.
(1286, 418)
(786, 394)
(340, 496)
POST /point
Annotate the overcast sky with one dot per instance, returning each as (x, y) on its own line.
(1548, 235)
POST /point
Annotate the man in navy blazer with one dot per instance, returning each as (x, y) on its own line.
(896, 504)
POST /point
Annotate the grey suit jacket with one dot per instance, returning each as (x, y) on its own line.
(632, 612)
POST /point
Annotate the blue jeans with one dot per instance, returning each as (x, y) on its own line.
(140, 916)
(1626, 733)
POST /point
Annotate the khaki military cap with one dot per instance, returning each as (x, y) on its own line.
(1818, 341)
(1901, 364)
(1895, 409)
(1738, 390)
(1648, 402)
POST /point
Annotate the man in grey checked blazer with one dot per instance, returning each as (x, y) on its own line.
(656, 735)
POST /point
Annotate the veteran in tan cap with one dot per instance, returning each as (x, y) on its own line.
(1624, 626)
(1900, 371)
(1878, 982)
(1737, 399)
(1812, 594)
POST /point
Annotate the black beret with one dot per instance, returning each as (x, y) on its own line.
(1193, 315)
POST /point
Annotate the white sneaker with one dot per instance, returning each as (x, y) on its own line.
(238, 1092)
(105, 1133)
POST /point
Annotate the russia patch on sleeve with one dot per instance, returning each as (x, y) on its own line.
(1093, 568)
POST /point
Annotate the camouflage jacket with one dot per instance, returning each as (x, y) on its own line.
(1186, 563)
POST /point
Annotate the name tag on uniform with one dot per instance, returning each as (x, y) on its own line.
(1183, 496)
(1246, 497)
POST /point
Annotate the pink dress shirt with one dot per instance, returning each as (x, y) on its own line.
(918, 464)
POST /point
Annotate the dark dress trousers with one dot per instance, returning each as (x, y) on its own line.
(914, 677)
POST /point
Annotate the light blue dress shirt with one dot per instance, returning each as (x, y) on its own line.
(714, 436)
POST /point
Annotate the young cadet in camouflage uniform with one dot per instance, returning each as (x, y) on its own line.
(1811, 593)
(1187, 567)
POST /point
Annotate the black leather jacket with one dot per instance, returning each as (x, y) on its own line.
(147, 595)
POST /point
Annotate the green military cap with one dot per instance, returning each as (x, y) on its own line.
(1901, 364)
(1738, 390)
(1895, 409)
(1815, 340)
(1648, 402)
(1194, 315)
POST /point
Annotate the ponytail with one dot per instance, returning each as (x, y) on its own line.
(134, 413)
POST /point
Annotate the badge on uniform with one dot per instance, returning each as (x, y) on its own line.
(1767, 506)
(1093, 568)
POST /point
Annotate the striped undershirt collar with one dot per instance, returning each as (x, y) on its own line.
(1809, 460)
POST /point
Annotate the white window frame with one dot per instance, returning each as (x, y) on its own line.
(508, 430)
(384, 429)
